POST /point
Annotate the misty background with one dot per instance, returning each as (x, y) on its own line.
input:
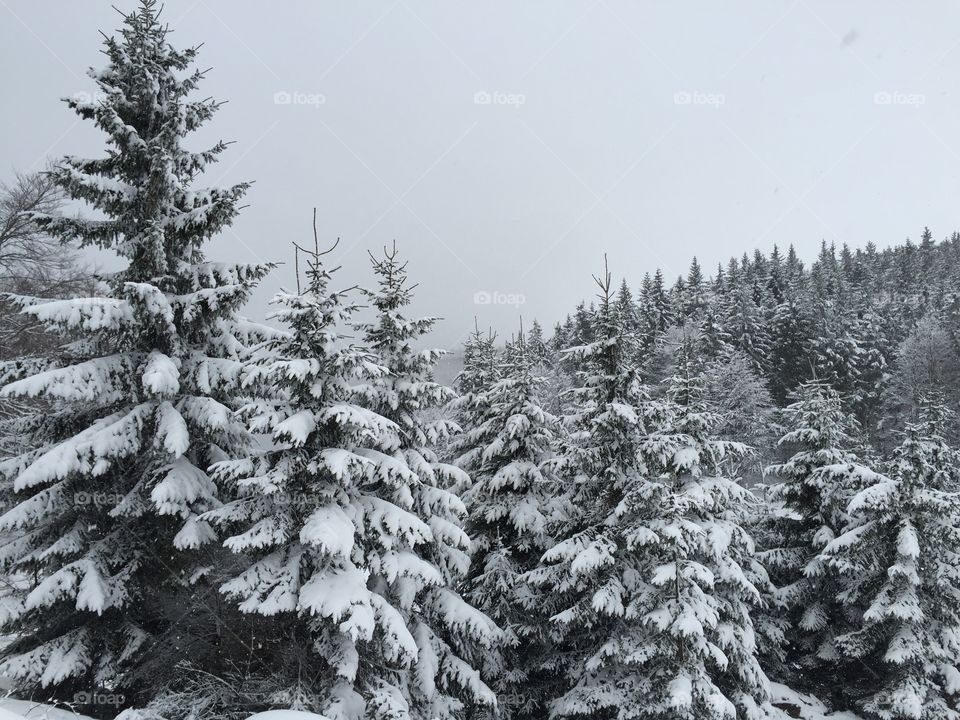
(506, 146)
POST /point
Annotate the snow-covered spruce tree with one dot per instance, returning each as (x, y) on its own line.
(480, 363)
(107, 501)
(537, 345)
(700, 580)
(926, 362)
(901, 565)
(595, 557)
(347, 534)
(654, 623)
(482, 368)
(409, 397)
(744, 319)
(511, 505)
(407, 392)
(808, 510)
(789, 344)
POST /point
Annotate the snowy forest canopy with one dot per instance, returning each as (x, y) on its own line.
(881, 327)
(736, 495)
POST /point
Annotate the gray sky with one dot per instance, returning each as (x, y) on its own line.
(506, 145)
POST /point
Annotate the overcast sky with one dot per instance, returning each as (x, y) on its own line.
(507, 145)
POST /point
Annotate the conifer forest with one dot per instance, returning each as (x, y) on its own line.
(731, 493)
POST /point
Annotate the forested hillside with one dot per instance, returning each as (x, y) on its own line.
(882, 327)
(734, 497)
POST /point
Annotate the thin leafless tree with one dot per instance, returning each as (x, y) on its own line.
(33, 263)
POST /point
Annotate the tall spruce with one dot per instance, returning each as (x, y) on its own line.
(104, 510)
(407, 393)
(482, 368)
(351, 540)
(596, 556)
(808, 512)
(652, 568)
(899, 561)
(513, 506)
(699, 582)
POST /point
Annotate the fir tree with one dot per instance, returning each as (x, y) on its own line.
(660, 304)
(744, 321)
(809, 511)
(599, 463)
(646, 320)
(645, 565)
(715, 340)
(406, 393)
(480, 363)
(351, 540)
(900, 564)
(626, 309)
(872, 359)
(790, 332)
(558, 341)
(776, 284)
(694, 300)
(583, 330)
(537, 346)
(834, 350)
(733, 389)
(512, 506)
(481, 370)
(105, 507)
(701, 579)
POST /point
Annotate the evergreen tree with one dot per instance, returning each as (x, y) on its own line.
(927, 254)
(646, 319)
(749, 331)
(694, 301)
(583, 325)
(715, 340)
(406, 393)
(536, 345)
(568, 334)
(105, 508)
(481, 370)
(351, 540)
(626, 309)
(834, 349)
(809, 511)
(558, 341)
(776, 283)
(925, 363)
(732, 389)
(701, 579)
(793, 268)
(512, 506)
(660, 304)
(652, 569)
(874, 348)
(790, 332)
(678, 299)
(900, 564)
(599, 463)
